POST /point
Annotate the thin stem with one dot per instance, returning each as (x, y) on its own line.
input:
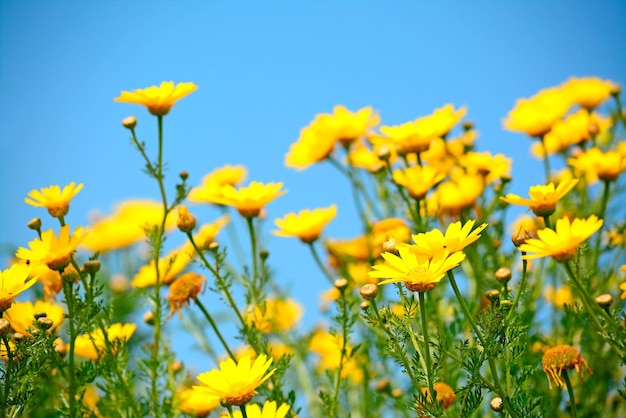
(570, 391)
(520, 289)
(603, 205)
(7, 377)
(209, 318)
(255, 268)
(546, 221)
(69, 301)
(243, 411)
(319, 263)
(429, 371)
(412, 334)
(344, 341)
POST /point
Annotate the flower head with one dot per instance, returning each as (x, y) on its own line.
(186, 221)
(562, 358)
(270, 410)
(536, 116)
(54, 199)
(456, 238)
(251, 199)
(307, 224)
(52, 251)
(211, 187)
(445, 394)
(543, 199)
(21, 315)
(14, 281)
(461, 192)
(562, 242)
(419, 272)
(345, 126)
(311, 147)
(588, 92)
(274, 315)
(596, 164)
(491, 167)
(158, 99)
(169, 267)
(236, 383)
(182, 290)
(196, 403)
(418, 180)
(93, 345)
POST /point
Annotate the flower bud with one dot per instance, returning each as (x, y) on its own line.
(186, 221)
(521, 235)
(44, 323)
(341, 283)
(60, 347)
(503, 275)
(69, 275)
(369, 291)
(493, 296)
(129, 122)
(40, 315)
(468, 125)
(5, 326)
(496, 404)
(263, 254)
(177, 366)
(92, 266)
(34, 224)
(384, 153)
(365, 305)
(506, 305)
(382, 385)
(148, 318)
(18, 336)
(389, 246)
(604, 301)
(184, 175)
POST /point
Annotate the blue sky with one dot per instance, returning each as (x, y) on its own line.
(264, 69)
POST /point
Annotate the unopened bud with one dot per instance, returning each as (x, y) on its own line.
(70, 276)
(44, 323)
(521, 235)
(263, 254)
(92, 266)
(148, 318)
(604, 301)
(468, 125)
(365, 305)
(382, 385)
(186, 221)
(506, 305)
(496, 404)
(184, 175)
(60, 347)
(5, 326)
(177, 366)
(129, 122)
(503, 275)
(341, 283)
(34, 224)
(389, 246)
(593, 129)
(493, 296)
(369, 291)
(18, 336)
(384, 153)
(40, 315)
(214, 246)
(396, 393)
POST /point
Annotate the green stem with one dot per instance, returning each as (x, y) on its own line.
(570, 391)
(243, 411)
(603, 205)
(209, 318)
(520, 289)
(255, 268)
(344, 341)
(412, 334)
(546, 221)
(69, 301)
(319, 263)
(6, 378)
(217, 275)
(429, 371)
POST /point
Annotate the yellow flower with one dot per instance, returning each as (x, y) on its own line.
(126, 225)
(445, 394)
(404, 138)
(622, 286)
(451, 197)
(93, 345)
(212, 183)
(559, 297)
(588, 92)
(169, 267)
(22, 315)
(274, 315)
(536, 116)
(562, 242)
(186, 287)
(492, 167)
(50, 279)
(419, 272)
(596, 164)
(562, 358)
(345, 126)
(328, 347)
(14, 281)
(361, 156)
(159, 100)
(417, 180)
(456, 238)
(311, 147)
(307, 224)
(196, 403)
(52, 198)
(250, 200)
(52, 251)
(186, 221)
(575, 129)
(270, 410)
(440, 122)
(235, 384)
(543, 199)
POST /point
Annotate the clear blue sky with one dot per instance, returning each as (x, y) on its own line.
(264, 69)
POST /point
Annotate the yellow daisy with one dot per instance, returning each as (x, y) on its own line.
(158, 99)
(93, 345)
(251, 199)
(418, 180)
(211, 186)
(185, 288)
(562, 242)
(588, 92)
(596, 164)
(562, 358)
(311, 147)
(54, 199)
(536, 116)
(543, 198)
(270, 410)
(236, 383)
(196, 403)
(419, 272)
(456, 238)
(52, 251)
(14, 281)
(22, 315)
(307, 224)
(274, 315)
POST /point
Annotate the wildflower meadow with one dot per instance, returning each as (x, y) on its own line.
(445, 304)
